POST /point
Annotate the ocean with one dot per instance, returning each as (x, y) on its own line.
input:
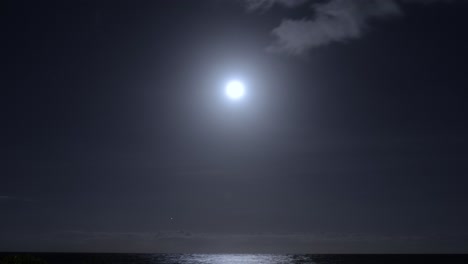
(98, 258)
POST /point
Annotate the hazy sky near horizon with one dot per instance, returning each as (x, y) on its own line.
(116, 135)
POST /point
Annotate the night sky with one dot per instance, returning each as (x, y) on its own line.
(116, 135)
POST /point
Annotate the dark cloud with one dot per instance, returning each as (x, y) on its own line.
(330, 21)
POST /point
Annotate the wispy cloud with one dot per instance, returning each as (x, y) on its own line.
(265, 4)
(4, 197)
(330, 21)
(7, 198)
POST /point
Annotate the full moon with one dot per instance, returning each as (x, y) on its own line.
(235, 90)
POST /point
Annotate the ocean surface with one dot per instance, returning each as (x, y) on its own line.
(82, 258)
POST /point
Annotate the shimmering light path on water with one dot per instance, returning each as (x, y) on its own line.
(233, 259)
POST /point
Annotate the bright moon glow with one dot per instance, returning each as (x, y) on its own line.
(235, 90)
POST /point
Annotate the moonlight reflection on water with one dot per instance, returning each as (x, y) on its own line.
(235, 258)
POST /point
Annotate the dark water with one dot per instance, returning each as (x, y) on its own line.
(82, 258)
